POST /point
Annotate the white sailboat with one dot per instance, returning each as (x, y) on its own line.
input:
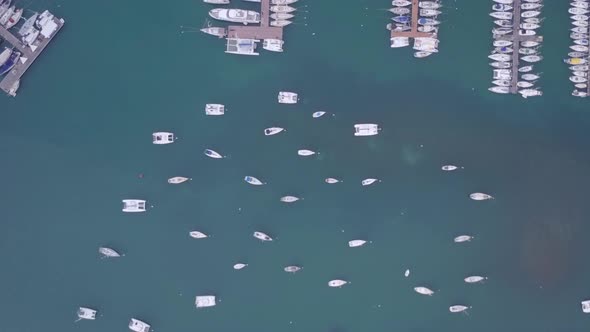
(198, 235)
(273, 131)
(480, 196)
(331, 180)
(424, 290)
(449, 168)
(108, 252)
(337, 283)
(289, 199)
(318, 114)
(212, 154)
(253, 181)
(458, 308)
(474, 279)
(281, 9)
(178, 179)
(356, 243)
(369, 181)
(463, 238)
(239, 266)
(262, 236)
(305, 153)
(292, 268)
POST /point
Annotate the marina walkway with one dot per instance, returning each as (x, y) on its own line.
(413, 33)
(13, 77)
(264, 31)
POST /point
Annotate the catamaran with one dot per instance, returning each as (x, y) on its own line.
(136, 325)
(86, 313)
(204, 301)
(214, 109)
(134, 205)
(286, 97)
(162, 137)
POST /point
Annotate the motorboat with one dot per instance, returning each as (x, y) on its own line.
(217, 2)
(428, 21)
(578, 79)
(252, 180)
(281, 9)
(285, 97)
(10, 63)
(449, 168)
(504, 50)
(366, 129)
(6, 16)
(525, 69)
(499, 89)
(580, 73)
(429, 4)
(527, 51)
(463, 238)
(337, 283)
(204, 301)
(239, 266)
(280, 23)
(138, 326)
(178, 180)
(581, 85)
(14, 18)
(586, 307)
(529, 43)
(500, 7)
(527, 32)
(273, 131)
(289, 199)
(505, 2)
(235, 15)
(214, 109)
(262, 236)
(108, 252)
(162, 137)
(457, 308)
(578, 11)
(524, 84)
(532, 58)
(530, 13)
(273, 45)
(575, 61)
(579, 67)
(198, 235)
(318, 114)
(422, 54)
(501, 65)
(397, 42)
(305, 153)
(501, 82)
(502, 43)
(480, 196)
(579, 29)
(331, 180)
(579, 48)
(133, 205)
(529, 6)
(503, 24)
(401, 19)
(401, 3)
(429, 12)
(530, 77)
(215, 31)
(281, 16)
(501, 31)
(501, 15)
(424, 290)
(580, 17)
(579, 4)
(368, 182)
(580, 23)
(356, 243)
(575, 35)
(529, 26)
(5, 55)
(212, 154)
(583, 41)
(282, 2)
(292, 268)
(399, 10)
(534, 20)
(500, 57)
(86, 313)
(577, 93)
(407, 273)
(474, 279)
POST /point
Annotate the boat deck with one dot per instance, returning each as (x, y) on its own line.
(27, 53)
(264, 31)
(413, 33)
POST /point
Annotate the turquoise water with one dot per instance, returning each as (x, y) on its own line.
(79, 133)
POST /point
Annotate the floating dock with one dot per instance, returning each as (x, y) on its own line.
(413, 33)
(263, 31)
(29, 53)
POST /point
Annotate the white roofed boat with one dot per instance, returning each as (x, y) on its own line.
(204, 301)
(480, 196)
(400, 3)
(292, 268)
(273, 131)
(407, 273)
(463, 238)
(239, 266)
(424, 291)
(86, 313)
(586, 307)
(212, 154)
(397, 42)
(331, 180)
(252, 180)
(281, 16)
(429, 4)
(318, 114)
(289, 199)
(162, 138)
(449, 168)
(235, 15)
(280, 23)
(366, 129)
(337, 283)
(356, 243)
(5, 55)
(214, 109)
(273, 45)
(108, 252)
(458, 308)
(281, 9)
(282, 2)
(13, 20)
(474, 279)
(133, 205)
(138, 326)
(198, 235)
(178, 180)
(525, 93)
(262, 236)
(217, 2)
(305, 152)
(286, 97)
(367, 182)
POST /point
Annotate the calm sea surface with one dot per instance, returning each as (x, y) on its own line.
(79, 133)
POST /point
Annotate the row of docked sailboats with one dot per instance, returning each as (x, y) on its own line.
(578, 55)
(427, 22)
(509, 44)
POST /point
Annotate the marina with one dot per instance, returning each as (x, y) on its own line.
(421, 25)
(28, 52)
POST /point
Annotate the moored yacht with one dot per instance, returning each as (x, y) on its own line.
(429, 4)
(14, 18)
(400, 3)
(5, 55)
(215, 31)
(273, 45)
(525, 93)
(10, 63)
(235, 15)
(134, 205)
(136, 325)
(281, 9)
(501, 64)
(280, 23)
(424, 290)
(262, 236)
(282, 2)
(281, 16)
(397, 42)
(530, 77)
(217, 2)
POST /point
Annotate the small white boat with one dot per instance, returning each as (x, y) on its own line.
(239, 266)
(463, 238)
(198, 235)
(524, 84)
(499, 89)
(281, 16)
(108, 252)
(504, 50)
(366, 129)
(253, 181)
(579, 4)
(579, 48)
(530, 77)
(401, 3)
(289, 199)
(578, 11)
(529, 6)
(532, 58)
(292, 268)
(280, 23)
(177, 179)
(429, 4)
(506, 2)
(369, 181)
(534, 20)
(500, 57)
(526, 32)
(286, 97)
(501, 64)
(133, 205)
(273, 131)
(429, 12)
(305, 153)
(501, 7)
(529, 26)
(501, 82)
(217, 2)
(215, 31)
(458, 308)
(424, 290)
(214, 109)
(530, 13)
(281, 9)
(422, 54)
(262, 236)
(527, 51)
(586, 306)
(318, 114)
(136, 325)
(399, 10)
(407, 273)
(580, 17)
(397, 42)
(480, 196)
(337, 283)
(474, 279)
(212, 154)
(282, 2)
(449, 168)
(86, 313)
(331, 180)
(503, 24)
(502, 74)
(273, 45)
(577, 93)
(204, 301)
(580, 68)
(529, 43)
(581, 85)
(501, 15)
(578, 79)
(235, 15)
(162, 138)
(356, 243)
(502, 43)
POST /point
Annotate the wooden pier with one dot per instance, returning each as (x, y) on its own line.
(413, 33)
(264, 31)
(28, 55)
